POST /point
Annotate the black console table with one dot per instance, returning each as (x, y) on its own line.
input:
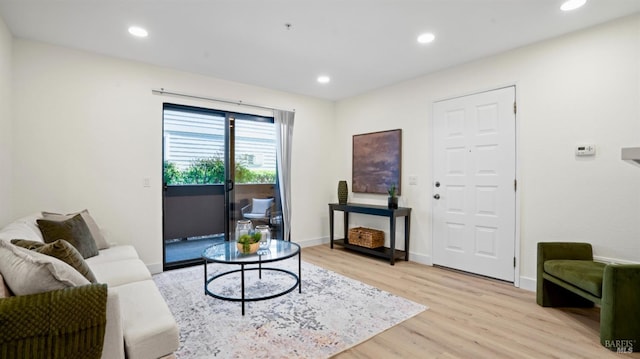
(388, 253)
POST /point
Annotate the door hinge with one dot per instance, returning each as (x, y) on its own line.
(514, 262)
(515, 108)
(515, 185)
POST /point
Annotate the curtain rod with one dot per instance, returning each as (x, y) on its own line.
(162, 91)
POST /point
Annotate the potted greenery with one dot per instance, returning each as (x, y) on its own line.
(249, 243)
(393, 196)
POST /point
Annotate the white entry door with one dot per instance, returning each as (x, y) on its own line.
(474, 183)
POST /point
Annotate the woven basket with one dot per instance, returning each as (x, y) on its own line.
(366, 237)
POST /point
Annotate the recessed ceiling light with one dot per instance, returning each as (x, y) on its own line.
(137, 31)
(426, 38)
(324, 79)
(572, 5)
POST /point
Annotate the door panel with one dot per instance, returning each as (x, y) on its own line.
(254, 150)
(194, 175)
(193, 211)
(474, 163)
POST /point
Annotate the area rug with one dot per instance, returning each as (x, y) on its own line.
(332, 314)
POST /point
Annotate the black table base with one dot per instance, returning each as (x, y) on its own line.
(243, 298)
(259, 261)
(390, 253)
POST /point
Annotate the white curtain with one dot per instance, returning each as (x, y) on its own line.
(284, 137)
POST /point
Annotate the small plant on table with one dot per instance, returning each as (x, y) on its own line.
(249, 243)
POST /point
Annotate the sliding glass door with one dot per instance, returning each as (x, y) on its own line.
(218, 167)
(255, 196)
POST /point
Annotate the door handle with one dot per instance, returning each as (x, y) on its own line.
(437, 196)
(229, 185)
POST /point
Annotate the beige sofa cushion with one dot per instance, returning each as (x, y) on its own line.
(29, 272)
(4, 290)
(120, 272)
(113, 347)
(150, 331)
(23, 228)
(114, 253)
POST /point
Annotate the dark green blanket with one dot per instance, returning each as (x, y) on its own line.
(67, 323)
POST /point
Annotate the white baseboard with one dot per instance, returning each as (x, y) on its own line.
(155, 268)
(313, 242)
(612, 260)
(421, 258)
(527, 283)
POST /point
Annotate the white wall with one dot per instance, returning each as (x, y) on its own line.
(580, 88)
(6, 41)
(87, 130)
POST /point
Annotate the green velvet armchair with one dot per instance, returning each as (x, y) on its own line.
(567, 276)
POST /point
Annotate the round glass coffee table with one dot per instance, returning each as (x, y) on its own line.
(227, 253)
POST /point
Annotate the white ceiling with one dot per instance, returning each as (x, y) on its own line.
(361, 44)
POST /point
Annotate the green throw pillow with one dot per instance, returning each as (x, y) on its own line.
(73, 230)
(101, 242)
(62, 250)
(25, 243)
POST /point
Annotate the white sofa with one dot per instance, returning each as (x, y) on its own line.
(139, 323)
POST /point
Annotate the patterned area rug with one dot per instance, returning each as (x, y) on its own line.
(332, 314)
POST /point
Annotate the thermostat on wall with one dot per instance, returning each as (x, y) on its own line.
(586, 150)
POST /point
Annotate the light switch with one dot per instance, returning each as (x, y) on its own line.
(146, 182)
(586, 150)
(413, 180)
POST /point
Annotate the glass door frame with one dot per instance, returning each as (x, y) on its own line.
(229, 181)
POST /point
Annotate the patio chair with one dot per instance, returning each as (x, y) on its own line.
(258, 210)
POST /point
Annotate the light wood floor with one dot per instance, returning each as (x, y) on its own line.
(468, 316)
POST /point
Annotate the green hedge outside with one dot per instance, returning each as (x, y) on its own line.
(211, 171)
